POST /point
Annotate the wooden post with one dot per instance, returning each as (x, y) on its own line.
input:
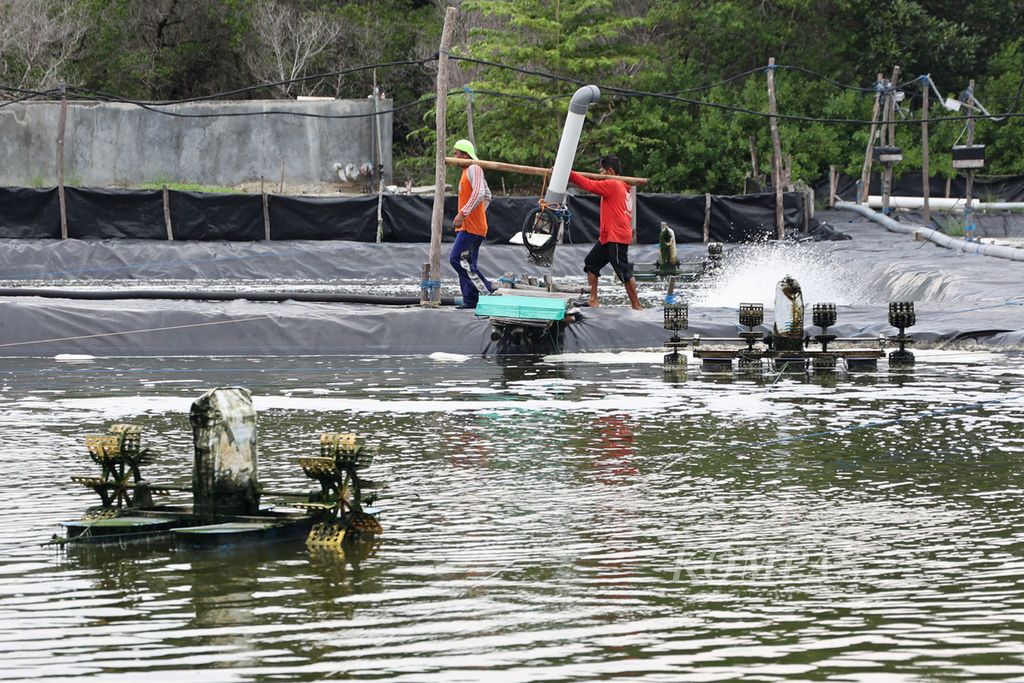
(968, 220)
(707, 217)
(892, 105)
(61, 126)
(441, 119)
(167, 214)
(925, 179)
(833, 185)
(469, 115)
(424, 277)
(865, 174)
(780, 225)
(753, 159)
(380, 159)
(889, 136)
(266, 217)
(632, 218)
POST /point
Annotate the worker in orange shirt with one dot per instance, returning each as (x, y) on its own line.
(616, 229)
(470, 226)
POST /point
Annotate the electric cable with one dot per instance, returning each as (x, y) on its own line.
(627, 92)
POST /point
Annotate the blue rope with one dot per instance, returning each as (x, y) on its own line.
(430, 285)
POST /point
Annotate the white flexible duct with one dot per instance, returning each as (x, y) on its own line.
(581, 101)
(943, 240)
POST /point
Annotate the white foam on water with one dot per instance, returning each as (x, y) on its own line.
(74, 358)
(598, 358)
(750, 274)
(442, 357)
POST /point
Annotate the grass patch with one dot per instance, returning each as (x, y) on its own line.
(950, 225)
(187, 187)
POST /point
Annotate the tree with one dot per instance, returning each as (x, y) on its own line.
(38, 39)
(286, 41)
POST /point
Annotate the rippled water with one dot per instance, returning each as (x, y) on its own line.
(579, 518)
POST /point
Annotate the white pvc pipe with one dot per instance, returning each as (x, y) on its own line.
(943, 240)
(581, 101)
(875, 201)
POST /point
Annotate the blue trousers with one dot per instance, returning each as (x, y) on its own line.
(463, 259)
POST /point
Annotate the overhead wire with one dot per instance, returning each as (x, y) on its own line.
(672, 96)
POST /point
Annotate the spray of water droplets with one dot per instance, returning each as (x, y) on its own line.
(750, 273)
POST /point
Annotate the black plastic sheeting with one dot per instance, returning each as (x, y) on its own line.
(322, 218)
(116, 214)
(27, 213)
(909, 184)
(959, 298)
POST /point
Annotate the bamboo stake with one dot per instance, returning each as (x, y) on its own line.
(469, 116)
(968, 220)
(925, 179)
(61, 126)
(537, 170)
(167, 214)
(441, 123)
(865, 174)
(780, 225)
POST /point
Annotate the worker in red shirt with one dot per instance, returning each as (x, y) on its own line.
(470, 226)
(616, 229)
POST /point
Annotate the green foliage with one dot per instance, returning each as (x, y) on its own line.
(669, 107)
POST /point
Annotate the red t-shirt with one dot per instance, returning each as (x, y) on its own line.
(616, 207)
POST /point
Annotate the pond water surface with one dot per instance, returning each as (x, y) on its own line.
(574, 518)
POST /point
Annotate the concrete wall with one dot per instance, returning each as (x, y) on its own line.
(115, 144)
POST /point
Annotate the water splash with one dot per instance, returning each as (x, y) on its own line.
(751, 272)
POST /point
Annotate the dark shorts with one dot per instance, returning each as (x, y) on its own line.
(613, 253)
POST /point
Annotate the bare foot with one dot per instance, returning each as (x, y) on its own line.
(592, 303)
(638, 307)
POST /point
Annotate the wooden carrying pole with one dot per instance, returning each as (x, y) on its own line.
(536, 170)
(441, 121)
(780, 224)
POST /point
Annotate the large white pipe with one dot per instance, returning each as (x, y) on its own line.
(875, 202)
(581, 101)
(943, 240)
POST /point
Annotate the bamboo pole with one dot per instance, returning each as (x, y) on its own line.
(969, 230)
(537, 170)
(441, 123)
(925, 179)
(167, 214)
(780, 224)
(379, 155)
(833, 185)
(632, 217)
(865, 174)
(889, 136)
(61, 126)
(469, 116)
(707, 217)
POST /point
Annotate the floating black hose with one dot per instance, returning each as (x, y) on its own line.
(117, 294)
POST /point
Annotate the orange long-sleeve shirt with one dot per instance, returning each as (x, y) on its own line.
(616, 207)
